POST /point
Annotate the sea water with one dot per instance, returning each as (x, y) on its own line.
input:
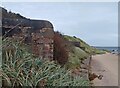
(111, 49)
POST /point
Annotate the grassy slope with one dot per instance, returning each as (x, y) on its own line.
(88, 49)
(75, 57)
(77, 54)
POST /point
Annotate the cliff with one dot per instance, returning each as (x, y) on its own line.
(10, 20)
(38, 34)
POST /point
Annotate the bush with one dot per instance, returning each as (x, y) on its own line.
(60, 51)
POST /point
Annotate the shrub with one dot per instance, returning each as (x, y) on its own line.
(60, 51)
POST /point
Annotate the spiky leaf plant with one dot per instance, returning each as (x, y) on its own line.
(20, 68)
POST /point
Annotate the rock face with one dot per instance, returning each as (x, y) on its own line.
(38, 34)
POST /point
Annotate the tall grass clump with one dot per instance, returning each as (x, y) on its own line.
(20, 68)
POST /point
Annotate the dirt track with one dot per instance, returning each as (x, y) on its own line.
(106, 65)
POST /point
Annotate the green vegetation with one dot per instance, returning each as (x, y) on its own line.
(88, 49)
(77, 54)
(75, 57)
(20, 68)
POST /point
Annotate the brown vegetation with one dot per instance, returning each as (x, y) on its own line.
(60, 51)
(92, 76)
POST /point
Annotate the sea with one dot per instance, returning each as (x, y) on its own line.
(111, 49)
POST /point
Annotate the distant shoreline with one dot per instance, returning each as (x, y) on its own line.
(111, 49)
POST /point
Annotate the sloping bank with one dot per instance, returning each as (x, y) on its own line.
(80, 50)
(79, 56)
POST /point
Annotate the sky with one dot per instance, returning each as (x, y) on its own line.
(94, 22)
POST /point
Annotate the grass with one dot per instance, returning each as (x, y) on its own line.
(88, 49)
(77, 54)
(22, 69)
(75, 57)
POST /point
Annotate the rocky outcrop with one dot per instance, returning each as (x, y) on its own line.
(36, 33)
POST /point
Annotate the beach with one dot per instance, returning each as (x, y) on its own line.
(106, 65)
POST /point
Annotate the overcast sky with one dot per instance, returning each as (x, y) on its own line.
(94, 22)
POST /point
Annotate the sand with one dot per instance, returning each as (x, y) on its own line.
(106, 65)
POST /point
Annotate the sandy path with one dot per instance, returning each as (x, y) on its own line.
(106, 65)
